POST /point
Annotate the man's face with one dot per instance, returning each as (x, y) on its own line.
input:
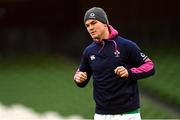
(95, 28)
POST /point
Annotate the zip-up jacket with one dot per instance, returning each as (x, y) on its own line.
(114, 94)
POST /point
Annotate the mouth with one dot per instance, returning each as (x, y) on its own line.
(92, 33)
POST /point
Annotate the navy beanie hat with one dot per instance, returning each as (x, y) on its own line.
(96, 13)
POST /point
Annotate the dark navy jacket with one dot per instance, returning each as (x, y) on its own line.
(113, 94)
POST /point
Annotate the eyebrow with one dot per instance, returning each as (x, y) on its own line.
(92, 21)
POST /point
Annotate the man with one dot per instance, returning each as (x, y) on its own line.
(115, 64)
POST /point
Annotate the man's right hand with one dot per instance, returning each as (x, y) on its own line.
(80, 77)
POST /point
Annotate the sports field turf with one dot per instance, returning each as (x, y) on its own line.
(165, 83)
(44, 83)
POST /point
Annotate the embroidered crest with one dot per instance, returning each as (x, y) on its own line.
(116, 53)
(91, 15)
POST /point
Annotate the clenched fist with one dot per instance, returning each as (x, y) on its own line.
(80, 77)
(121, 71)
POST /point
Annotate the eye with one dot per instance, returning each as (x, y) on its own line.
(87, 25)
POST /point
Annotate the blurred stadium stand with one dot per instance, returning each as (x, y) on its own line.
(46, 25)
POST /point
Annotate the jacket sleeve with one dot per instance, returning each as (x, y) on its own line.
(84, 67)
(142, 65)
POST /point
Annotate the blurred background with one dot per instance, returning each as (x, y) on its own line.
(41, 42)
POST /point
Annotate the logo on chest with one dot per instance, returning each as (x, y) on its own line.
(92, 57)
(117, 53)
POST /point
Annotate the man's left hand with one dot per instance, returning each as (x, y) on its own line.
(121, 71)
